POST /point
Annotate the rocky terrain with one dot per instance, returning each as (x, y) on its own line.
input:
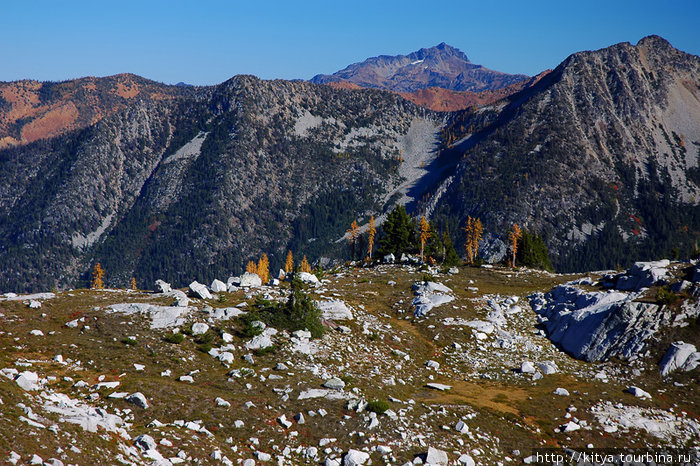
(441, 66)
(461, 366)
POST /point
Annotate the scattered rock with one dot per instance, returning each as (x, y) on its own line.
(334, 384)
(638, 392)
(138, 399)
(199, 328)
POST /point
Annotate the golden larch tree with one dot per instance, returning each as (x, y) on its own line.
(289, 265)
(514, 236)
(98, 275)
(424, 234)
(371, 231)
(251, 267)
(133, 284)
(264, 268)
(353, 232)
(305, 266)
(474, 231)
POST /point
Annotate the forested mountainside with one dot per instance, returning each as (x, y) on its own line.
(600, 156)
(199, 184)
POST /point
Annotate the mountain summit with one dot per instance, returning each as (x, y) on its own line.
(441, 66)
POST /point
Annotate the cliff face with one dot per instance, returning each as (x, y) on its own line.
(601, 156)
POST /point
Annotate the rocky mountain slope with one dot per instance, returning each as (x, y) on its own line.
(139, 377)
(32, 110)
(441, 66)
(165, 187)
(600, 156)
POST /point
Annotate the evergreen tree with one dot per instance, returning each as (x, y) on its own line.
(532, 252)
(450, 256)
(399, 233)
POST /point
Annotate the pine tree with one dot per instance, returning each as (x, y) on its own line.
(370, 235)
(98, 275)
(251, 267)
(449, 255)
(353, 232)
(514, 236)
(305, 266)
(289, 265)
(133, 283)
(263, 270)
(399, 233)
(424, 235)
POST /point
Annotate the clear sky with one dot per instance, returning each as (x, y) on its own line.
(208, 41)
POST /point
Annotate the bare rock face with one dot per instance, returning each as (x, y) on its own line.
(680, 356)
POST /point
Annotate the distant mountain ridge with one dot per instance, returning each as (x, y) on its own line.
(441, 66)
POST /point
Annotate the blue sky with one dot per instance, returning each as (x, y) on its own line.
(207, 42)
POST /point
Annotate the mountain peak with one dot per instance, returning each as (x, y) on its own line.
(440, 66)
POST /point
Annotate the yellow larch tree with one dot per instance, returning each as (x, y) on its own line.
(289, 265)
(98, 275)
(371, 231)
(264, 268)
(305, 266)
(133, 284)
(514, 236)
(474, 230)
(424, 234)
(353, 232)
(251, 267)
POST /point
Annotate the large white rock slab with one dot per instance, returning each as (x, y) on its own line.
(335, 309)
(199, 290)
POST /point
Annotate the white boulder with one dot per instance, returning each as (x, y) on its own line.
(199, 291)
(250, 280)
(436, 457)
(163, 287)
(680, 355)
(138, 399)
(335, 309)
(217, 286)
(355, 458)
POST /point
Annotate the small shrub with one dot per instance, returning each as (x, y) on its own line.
(129, 341)
(265, 351)
(374, 336)
(377, 406)
(348, 379)
(427, 278)
(175, 338)
(205, 347)
(666, 297)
